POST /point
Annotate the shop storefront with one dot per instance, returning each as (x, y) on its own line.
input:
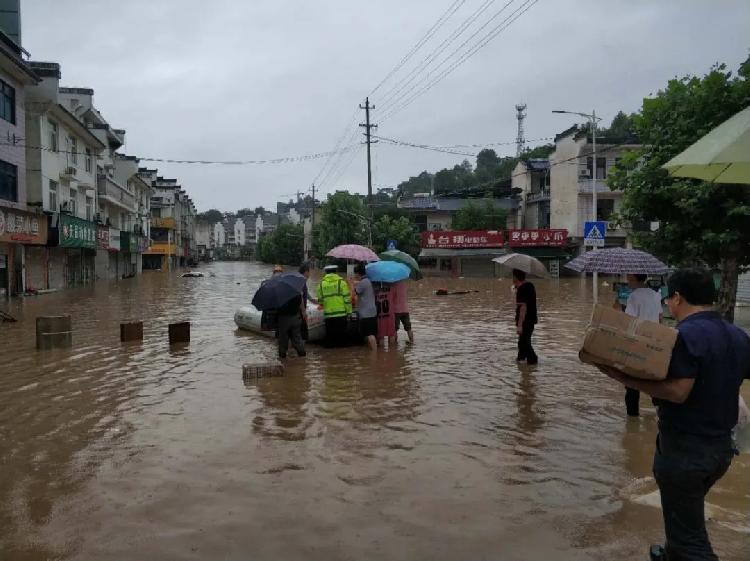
(115, 264)
(131, 247)
(73, 251)
(461, 253)
(22, 234)
(549, 246)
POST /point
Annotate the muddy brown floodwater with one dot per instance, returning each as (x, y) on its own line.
(442, 450)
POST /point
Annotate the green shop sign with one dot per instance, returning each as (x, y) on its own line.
(75, 232)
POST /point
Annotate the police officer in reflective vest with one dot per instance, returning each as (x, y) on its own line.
(334, 296)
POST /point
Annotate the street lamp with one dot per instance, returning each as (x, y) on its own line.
(593, 119)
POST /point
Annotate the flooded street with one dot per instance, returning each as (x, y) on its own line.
(443, 450)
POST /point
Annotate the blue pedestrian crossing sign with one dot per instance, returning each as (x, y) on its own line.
(594, 233)
(391, 245)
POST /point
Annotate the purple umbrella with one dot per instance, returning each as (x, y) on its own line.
(618, 261)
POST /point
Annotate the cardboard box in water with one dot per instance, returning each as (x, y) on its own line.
(639, 348)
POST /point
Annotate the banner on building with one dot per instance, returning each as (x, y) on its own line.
(454, 239)
(20, 226)
(75, 232)
(537, 238)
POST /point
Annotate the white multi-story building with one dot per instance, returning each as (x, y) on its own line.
(204, 240)
(133, 238)
(557, 193)
(116, 202)
(22, 233)
(61, 156)
(220, 235)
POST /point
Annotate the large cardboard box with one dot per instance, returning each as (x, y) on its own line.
(636, 347)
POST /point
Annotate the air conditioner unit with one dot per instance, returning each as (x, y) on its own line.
(584, 172)
(69, 171)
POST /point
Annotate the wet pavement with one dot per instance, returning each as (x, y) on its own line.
(443, 450)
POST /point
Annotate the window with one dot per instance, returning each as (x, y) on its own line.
(605, 208)
(89, 160)
(601, 167)
(7, 102)
(72, 205)
(89, 209)
(53, 196)
(8, 182)
(53, 136)
(73, 149)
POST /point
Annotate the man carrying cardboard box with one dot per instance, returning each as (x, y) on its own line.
(697, 406)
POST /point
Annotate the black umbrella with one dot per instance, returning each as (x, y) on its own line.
(278, 290)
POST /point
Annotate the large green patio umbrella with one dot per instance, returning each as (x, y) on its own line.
(722, 156)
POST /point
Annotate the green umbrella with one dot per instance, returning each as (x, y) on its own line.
(405, 258)
(722, 156)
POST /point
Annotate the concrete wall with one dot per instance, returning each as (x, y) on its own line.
(13, 136)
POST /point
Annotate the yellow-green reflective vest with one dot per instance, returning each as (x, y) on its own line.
(333, 294)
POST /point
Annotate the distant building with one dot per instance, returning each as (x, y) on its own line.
(436, 213)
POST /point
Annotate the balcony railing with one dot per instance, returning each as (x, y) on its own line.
(587, 186)
(111, 191)
(538, 196)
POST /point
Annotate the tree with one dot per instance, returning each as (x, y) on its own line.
(211, 216)
(399, 229)
(284, 245)
(343, 221)
(476, 215)
(259, 210)
(699, 223)
(245, 212)
(621, 129)
(541, 151)
(422, 183)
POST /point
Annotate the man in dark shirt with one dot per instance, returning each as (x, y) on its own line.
(526, 317)
(698, 407)
(290, 318)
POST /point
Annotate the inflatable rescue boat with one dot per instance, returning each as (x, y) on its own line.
(250, 319)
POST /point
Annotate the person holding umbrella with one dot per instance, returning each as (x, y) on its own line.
(526, 311)
(526, 316)
(283, 293)
(366, 309)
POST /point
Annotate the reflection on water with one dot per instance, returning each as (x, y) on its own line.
(446, 449)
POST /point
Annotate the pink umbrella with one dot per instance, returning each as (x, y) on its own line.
(353, 252)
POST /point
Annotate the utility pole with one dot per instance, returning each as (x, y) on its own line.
(312, 206)
(368, 136)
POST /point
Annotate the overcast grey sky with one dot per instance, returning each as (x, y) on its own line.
(259, 79)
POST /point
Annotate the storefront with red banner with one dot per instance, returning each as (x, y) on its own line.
(549, 246)
(461, 253)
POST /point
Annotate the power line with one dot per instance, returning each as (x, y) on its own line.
(425, 63)
(507, 22)
(426, 37)
(395, 142)
(352, 122)
(284, 160)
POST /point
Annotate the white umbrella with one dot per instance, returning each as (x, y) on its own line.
(523, 262)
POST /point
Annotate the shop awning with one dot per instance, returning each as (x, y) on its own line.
(431, 252)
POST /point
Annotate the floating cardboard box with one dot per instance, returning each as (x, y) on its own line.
(636, 347)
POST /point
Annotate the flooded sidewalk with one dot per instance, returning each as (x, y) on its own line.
(446, 449)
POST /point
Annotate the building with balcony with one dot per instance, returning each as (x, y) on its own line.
(61, 155)
(573, 177)
(116, 205)
(531, 179)
(15, 76)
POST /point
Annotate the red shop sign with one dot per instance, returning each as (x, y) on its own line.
(455, 239)
(102, 237)
(537, 238)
